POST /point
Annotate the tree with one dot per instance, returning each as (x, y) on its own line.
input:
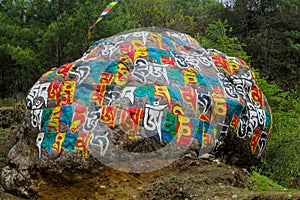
(217, 37)
(18, 60)
(267, 26)
(37, 35)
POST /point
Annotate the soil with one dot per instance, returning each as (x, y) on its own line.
(187, 178)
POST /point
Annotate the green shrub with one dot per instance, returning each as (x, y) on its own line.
(281, 160)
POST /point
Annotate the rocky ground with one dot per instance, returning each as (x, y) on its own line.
(187, 178)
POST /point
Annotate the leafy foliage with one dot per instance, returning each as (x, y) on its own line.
(271, 31)
(190, 17)
(38, 35)
(217, 38)
(281, 160)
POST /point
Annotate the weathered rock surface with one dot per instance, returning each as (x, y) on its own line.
(136, 102)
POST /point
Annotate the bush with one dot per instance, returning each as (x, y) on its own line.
(281, 160)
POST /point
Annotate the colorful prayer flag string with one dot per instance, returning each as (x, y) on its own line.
(105, 11)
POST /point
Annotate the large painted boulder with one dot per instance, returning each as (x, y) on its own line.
(156, 84)
(144, 98)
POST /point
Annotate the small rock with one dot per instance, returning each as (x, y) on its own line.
(216, 161)
(191, 155)
(207, 156)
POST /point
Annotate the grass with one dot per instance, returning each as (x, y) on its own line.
(2, 158)
(262, 183)
(12, 101)
(3, 135)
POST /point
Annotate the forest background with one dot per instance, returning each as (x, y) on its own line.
(37, 35)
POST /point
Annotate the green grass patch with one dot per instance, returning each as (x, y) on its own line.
(3, 138)
(2, 158)
(12, 101)
(263, 183)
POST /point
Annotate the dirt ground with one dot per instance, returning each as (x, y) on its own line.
(186, 179)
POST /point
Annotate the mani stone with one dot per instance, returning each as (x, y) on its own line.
(139, 100)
